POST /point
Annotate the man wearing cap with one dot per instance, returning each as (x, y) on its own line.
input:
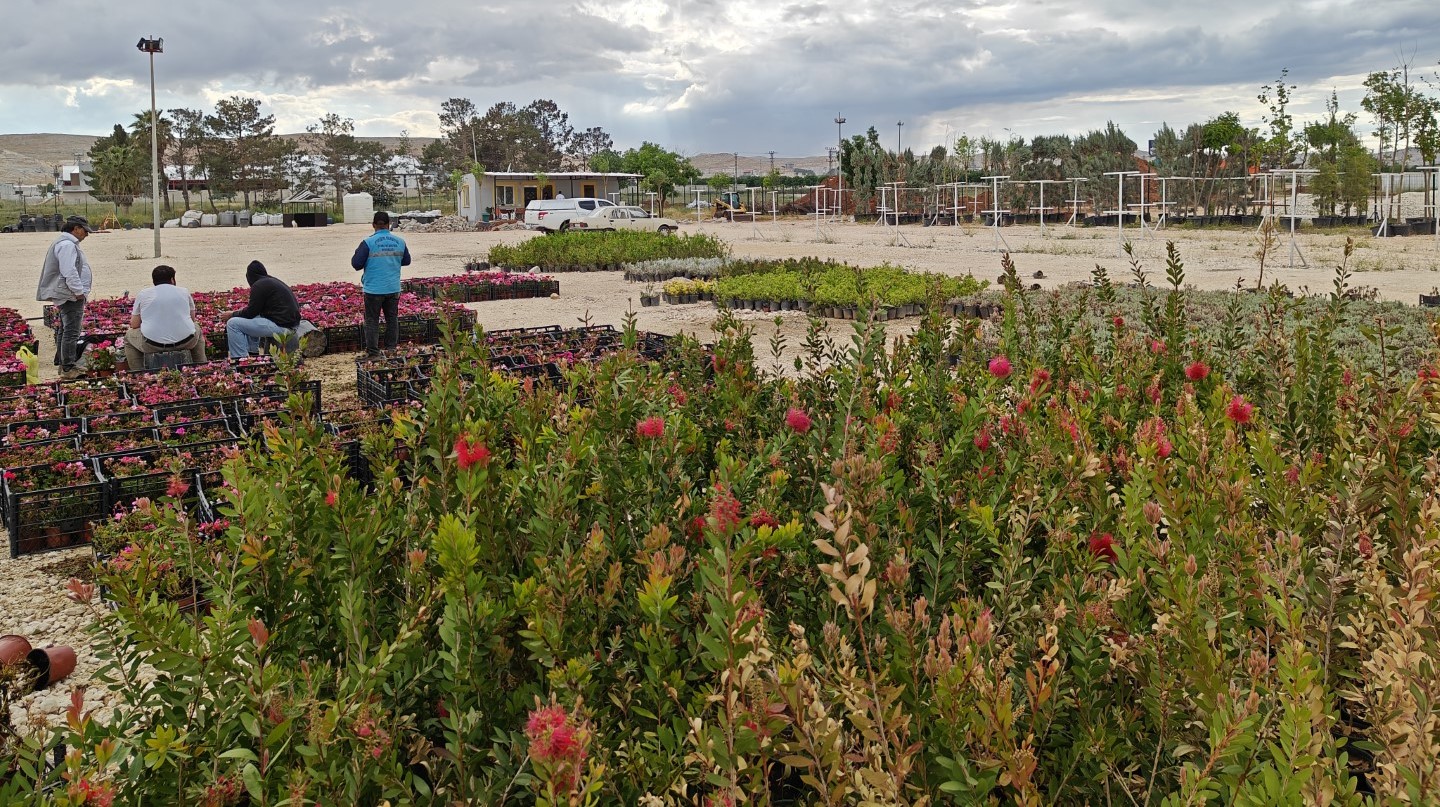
(163, 321)
(65, 281)
(380, 257)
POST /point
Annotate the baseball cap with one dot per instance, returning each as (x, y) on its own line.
(78, 221)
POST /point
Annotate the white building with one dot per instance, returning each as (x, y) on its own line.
(501, 195)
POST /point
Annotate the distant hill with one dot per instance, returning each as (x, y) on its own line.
(31, 158)
(724, 163)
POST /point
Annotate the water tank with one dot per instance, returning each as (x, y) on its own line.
(359, 208)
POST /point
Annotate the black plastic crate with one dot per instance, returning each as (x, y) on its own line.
(225, 427)
(154, 482)
(97, 443)
(115, 421)
(378, 386)
(344, 338)
(417, 329)
(52, 518)
(267, 397)
(203, 409)
(10, 455)
(15, 432)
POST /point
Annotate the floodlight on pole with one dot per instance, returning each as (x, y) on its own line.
(840, 166)
(153, 46)
(898, 124)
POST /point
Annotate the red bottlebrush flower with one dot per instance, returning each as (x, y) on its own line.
(470, 453)
(178, 487)
(332, 498)
(9, 476)
(892, 401)
(1000, 367)
(696, 528)
(1239, 411)
(1040, 379)
(1197, 370)
(1292, 475)
(1118, 322)
(651, 427)
(545, 720)
(1156, 346)
(982, 438)
(1102, 545)
(762, 518)
(678, 394)
(797, 420)
(725, 509)
(1367, 547)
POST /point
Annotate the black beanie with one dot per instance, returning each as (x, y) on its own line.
(254, 272)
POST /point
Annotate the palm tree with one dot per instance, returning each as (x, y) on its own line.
(140, 139)
(117, 172)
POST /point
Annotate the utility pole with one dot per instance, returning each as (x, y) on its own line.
(840, 164)
(772, 162)
(736, 178)
(898, 124)
(152, 47)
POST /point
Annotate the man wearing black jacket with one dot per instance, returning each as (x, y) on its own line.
(272, 309)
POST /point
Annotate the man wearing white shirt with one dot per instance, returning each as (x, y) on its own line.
(163, 320)
(65, 282)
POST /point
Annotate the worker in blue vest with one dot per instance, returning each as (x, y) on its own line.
(380, 257)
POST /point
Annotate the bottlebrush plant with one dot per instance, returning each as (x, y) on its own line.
(908, 574)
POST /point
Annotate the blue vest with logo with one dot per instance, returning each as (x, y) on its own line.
(382, 268)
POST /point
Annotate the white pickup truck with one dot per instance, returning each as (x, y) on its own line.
(624, 218)
(555, 215)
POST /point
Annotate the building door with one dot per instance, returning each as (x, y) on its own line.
(588, 191)
(531, 193)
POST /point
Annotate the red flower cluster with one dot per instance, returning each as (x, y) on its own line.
(331, 498)
(558, 740)
(1102, 545)
(762, 518)
(178, 487)
(1197, 371)
(471, 452)
(1000, 367)
(982, 438)
(797, 420)
(1239, 411)
(725, 509)
(651, 427)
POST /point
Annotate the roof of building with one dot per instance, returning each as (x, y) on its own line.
(560, 174)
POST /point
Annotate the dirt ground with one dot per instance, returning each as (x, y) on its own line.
(215, 258)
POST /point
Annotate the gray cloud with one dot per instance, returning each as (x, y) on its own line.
(705, 76)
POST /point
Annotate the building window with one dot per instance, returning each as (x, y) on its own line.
(504, 195)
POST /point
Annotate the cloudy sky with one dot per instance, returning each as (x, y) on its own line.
(711, 75)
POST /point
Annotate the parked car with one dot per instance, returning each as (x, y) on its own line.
(625, 218)
(554, 215)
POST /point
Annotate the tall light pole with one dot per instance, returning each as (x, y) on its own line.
(152, 47)
(840, 163)
(772, 162)
(736, 180)
(898, 124)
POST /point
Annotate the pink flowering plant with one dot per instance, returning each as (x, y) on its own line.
(893, 575)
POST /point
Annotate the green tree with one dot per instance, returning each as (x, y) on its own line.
(140, 136)
(1279, 149)
(343, 160)
(662, 169)
(187, 128)
(117, 172)
(1356, 168)
(242, 152)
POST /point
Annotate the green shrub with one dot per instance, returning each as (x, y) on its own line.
(561, 251)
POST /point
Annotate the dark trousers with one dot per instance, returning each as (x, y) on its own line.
(374, 304)
(67, 338)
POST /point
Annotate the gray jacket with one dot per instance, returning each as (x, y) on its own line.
(66, 273)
